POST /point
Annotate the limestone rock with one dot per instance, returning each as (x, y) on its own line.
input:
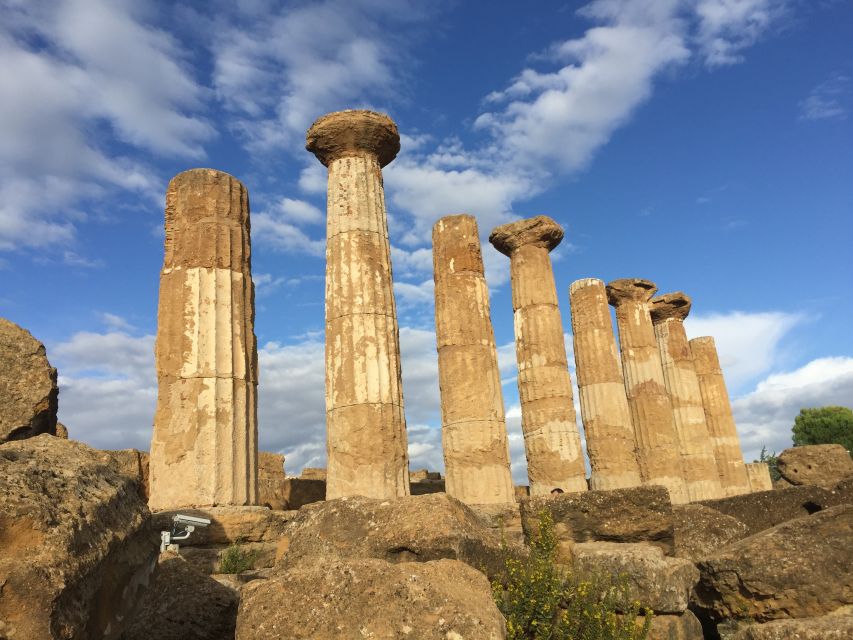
(797, 569)
(271, 480)
(182, 603)
(312, 473)
(349, 132)
(823, 465)
(76, 543)
(765, 509)
(701, 531)
(61, 431)
(637, 514)
(684, 626)
(759, 476)
(413, 528)
(820, 628)
(132, 463)
(27, 385)
(336, 598)
(660, 583)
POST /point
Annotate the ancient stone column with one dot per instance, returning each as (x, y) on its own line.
(365, 424)
(204, 449)
(651, 410)
(607, 425)
(697, 453)
(718, 416)
(759, 476)
(473, 428)
(552, 443)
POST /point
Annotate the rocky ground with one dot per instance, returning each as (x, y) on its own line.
(79, 550)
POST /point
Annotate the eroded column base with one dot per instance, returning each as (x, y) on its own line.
(479, 472)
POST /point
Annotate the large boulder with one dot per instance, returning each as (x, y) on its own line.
(823, 465)
(336, 598)
(133, 463)
(76, 545)
(797, 569)
(822, 628)
(182, 603)
(658, 582)
(638, 514)
(765, 509)
(410, 529)
(28, 387)
(684, 626)
(702, 531)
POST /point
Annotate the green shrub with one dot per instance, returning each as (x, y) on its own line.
(235, 560)
(542, 600)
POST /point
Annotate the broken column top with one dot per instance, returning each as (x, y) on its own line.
(670, 305)
(540, 231)
(630, 289)
(353, 132)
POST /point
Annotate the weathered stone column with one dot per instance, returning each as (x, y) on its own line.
(607, 426)
(759, 476)
(718, 416)
(365, 425)
(473, 427)
(204, 449)
(651, 410)
(551, 439)
(697, 453)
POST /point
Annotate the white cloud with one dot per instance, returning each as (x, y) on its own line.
(71, 85)
(300, 212)
(273, 229)
(566, 115)
(766, 415)
(828, 100)
(726, 27)
(281, 68)
(748, 344)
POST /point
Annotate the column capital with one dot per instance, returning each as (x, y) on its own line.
(353, 132)
(670, 305)
(540, 231)
(630, 289)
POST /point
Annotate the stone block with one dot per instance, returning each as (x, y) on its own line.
(823, 465)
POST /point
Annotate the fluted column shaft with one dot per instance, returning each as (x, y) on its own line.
(474, 437)
(697, 453)
(366, 429)
(607, 425)
(204, 448)
(718, 415)
(651, 410)
(551, 438)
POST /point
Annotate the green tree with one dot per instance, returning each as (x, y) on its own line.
(824, 425)
(772, 460)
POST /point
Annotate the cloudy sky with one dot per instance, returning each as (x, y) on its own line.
(702, 144)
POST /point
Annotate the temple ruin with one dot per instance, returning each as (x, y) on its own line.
(610, 442)
(473, 427)
(697, 454)
(365, 425)
(718, 415)
(648, 399)
(204, 448)
(551, 439)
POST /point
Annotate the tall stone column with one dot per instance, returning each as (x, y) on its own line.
(204, 449)
(473, 427)
(365, 424)
(610, 442)
(651, 410)
(718, 415)
(759, 476)
(697, 453)
(551, 439)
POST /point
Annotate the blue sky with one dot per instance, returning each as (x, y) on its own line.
(702, 144)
